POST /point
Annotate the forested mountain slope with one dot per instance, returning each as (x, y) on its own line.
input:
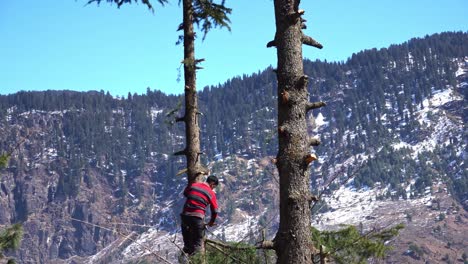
(394, 121)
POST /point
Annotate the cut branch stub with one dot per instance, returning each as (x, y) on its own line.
(202, 171)
(284, 97)
(198, 155)
(266, 244)
(303, 81)
(314, 142)
(313, 198)
(281, 130)
(314, 105)
(309, 158)
(180, 119)
(311, 42)
(180, 153)
(292, 17)
(199, 60)
(181, 27)
(271, 44)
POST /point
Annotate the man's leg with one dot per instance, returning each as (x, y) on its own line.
(187, 234)
(198, 234)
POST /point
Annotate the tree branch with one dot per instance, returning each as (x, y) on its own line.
(266, 244)
(222, 251)
(292, 17)
(181, 153)
(303, 25)
(284, 97)
(271, 44)
(314, 105)
(311, 42)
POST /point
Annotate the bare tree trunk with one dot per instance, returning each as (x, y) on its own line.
(190, 118)
(293, 240)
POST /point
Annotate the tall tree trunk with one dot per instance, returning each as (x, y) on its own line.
(293, 240)
(192, 129)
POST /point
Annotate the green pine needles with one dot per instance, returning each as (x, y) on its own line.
(210, 15)
(10, 238)
(235, 253)
(206, 13)
(121, 2)
(4, 159)
(348, 245)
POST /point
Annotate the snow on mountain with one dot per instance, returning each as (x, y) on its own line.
(440, 126)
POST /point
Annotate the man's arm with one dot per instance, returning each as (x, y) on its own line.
(214, 209)
(186, 190)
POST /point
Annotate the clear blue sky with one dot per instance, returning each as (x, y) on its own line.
(63, 44)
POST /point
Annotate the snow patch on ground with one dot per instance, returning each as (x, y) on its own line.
(347, 207)
(353, 207)
(238, 231)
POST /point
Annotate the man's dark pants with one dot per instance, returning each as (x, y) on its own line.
(193, 231)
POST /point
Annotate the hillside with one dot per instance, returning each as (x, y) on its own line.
(394, 121)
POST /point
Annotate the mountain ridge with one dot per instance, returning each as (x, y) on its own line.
(103, 160)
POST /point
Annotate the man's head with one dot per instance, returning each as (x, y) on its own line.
(212, 181)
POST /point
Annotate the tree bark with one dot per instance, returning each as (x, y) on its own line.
(192, 129)
(293, 241)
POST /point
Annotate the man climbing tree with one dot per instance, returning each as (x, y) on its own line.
(206, 14)
(199, 196)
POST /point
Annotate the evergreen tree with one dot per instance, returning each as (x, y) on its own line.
(292, 242)
(206, 14)
(10, 237)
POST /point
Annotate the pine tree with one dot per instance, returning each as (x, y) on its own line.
(292, 242)
(206, 14)
(10, 237)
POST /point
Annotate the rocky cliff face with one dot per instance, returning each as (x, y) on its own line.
(92, 177)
